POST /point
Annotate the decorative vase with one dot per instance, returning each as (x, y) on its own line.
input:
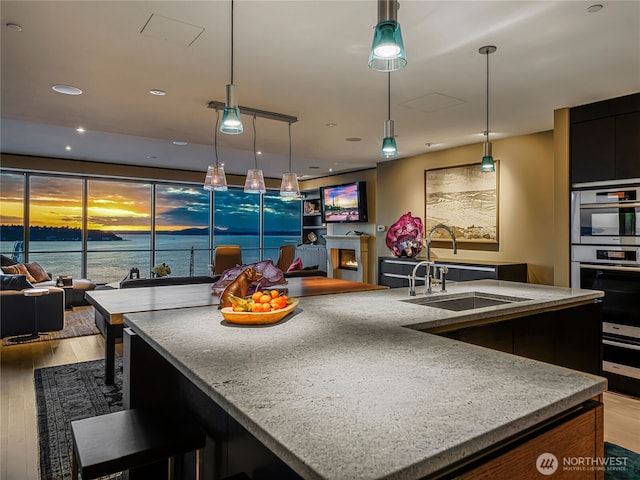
(405, 238)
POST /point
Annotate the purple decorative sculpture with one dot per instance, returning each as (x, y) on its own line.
(405, 238)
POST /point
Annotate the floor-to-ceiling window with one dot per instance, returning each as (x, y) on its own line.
(182, 229)
(56, 224)
(119, 224)
(101, 228)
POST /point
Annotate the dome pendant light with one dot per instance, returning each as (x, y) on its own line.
(387, 50)
(389, 147)
(231, 122)
(254, 182)
(487, 165)
(289, 186)
(216, 179)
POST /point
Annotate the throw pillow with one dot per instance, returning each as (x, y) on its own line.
(296, 265)
(37, 272)
(19, 269)
(14, 282)
(6, 261)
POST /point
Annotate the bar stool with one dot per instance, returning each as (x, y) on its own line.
(132, 438)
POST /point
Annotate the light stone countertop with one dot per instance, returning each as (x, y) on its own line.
(339, 390)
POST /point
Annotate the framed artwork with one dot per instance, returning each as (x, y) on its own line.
(466, 200)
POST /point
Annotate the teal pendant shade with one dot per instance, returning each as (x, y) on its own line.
(387, 50)
(389, 148)
(487, 165)
(231, 123)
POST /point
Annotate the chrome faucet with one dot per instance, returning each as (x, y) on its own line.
(443, 270)
(432, 231)
(427, 277)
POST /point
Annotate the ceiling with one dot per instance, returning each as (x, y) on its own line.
(304, 58)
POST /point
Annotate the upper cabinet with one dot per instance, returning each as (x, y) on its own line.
(605, 140)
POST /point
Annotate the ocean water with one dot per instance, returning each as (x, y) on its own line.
(111, 261)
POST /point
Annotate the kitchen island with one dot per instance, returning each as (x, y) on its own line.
(341, 389)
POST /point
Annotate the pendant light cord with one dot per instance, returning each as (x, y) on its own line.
(255, 156)
(487, 55)
(289, 147)
(389, 96)
(231, 42)
(215, 137)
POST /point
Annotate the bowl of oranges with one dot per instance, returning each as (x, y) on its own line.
(261, 308)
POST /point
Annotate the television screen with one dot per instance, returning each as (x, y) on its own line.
(344, 203)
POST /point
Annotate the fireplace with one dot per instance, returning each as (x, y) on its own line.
(347, 259)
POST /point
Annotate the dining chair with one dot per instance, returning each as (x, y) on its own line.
(224, 257)
(286, 256)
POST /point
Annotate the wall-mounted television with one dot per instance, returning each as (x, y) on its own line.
(344, 203)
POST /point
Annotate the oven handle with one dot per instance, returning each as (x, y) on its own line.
(609, 205)
(595, 266)
(630, 346)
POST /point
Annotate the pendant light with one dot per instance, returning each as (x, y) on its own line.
(215, 179)
(254, 182)
(231, 121)
(487, 165)
(289, 186)
(389, 147)
(387, 50)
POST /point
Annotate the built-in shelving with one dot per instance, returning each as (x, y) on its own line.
(311, 218)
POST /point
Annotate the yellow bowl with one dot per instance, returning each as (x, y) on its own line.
(258, 318)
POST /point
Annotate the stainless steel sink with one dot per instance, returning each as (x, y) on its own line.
(464, 301)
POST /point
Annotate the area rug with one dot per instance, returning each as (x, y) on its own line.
(77, 323)
(623, 464)
(66, 393)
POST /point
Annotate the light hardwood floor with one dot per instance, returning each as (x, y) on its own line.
(19, 439)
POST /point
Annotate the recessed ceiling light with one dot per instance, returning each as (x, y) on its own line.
(259, 152)
(159, 93)
(331, 169)
(67, 89)
(313, 167)
(151, 156)
(14, 26)
(180, 143)
(594, 8)
(80, 130)
(330, 124)
(353, 139)
(67, 148)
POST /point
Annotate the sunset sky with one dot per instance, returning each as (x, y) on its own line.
(126, 206)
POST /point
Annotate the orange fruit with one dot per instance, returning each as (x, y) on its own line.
(275, 293)
(256, 296)
(257, 307)
(265, 298)
(266, 307)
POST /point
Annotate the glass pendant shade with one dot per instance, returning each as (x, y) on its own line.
(215, 179)
(231, 123)
(289, 186)
(255, 181)
(389, 146)
(487, 165)
(387, 50)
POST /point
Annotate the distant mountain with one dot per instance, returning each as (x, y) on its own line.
(190, 231)
(13, 233)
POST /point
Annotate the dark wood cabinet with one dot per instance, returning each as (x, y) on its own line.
(394, 272)
(628, 145)
(311, 217)
(593, 150)
(569, 337)
(605, 140)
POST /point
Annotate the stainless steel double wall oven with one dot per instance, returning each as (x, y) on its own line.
(605, 255)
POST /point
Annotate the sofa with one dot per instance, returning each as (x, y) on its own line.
(17, 310)
(39, 277)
